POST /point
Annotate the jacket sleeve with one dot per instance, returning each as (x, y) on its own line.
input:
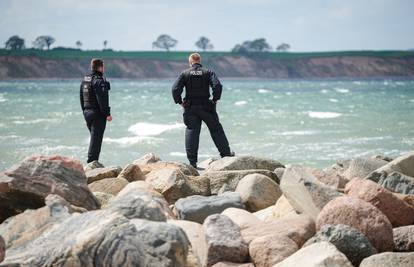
(81, 97)
(177, 89)
(215, 86)
(101, 88)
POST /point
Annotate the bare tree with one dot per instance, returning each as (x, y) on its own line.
(43, 41)
(283, 47)
(204, 43)
(15, 43)
(164, 41)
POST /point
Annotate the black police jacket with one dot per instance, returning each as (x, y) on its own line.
(197, 82)
(94, 93)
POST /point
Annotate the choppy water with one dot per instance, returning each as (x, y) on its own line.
(309, 122)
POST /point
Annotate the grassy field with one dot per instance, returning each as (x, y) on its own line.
(182, 55)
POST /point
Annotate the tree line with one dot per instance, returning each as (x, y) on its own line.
(163, 42)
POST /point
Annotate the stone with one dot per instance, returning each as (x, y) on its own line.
(351, 242)
(163, 165)
(258, 191)
(103, 198)
(382, 157)
(165, 244)
(304, 192)
(403, 164)
(279, 210)
(404, 238)
(397, 182)
(2, 249)
(299, 229)
(81, 241)
(102, 173)
(316, 255)
(173, 184)
(197, 208)
(196, 236)
(108, 185)
(27, 184)
(388, 259)
(361, 167)
(93, 165)
(131, 173)
(205, 163)
(230, 179)
(362, 216)
(232, 264)
(279, 172)
(243, 163)
(329, 177)
(271, 249)
(146, 159)
(409, 199)
(397, 211)
(242, 218)
(224, 241)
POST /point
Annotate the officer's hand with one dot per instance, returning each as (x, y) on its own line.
(109, 118)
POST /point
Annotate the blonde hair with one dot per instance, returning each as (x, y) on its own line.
(194, 58)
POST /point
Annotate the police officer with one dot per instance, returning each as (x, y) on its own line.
(198, 107)
(94, 100)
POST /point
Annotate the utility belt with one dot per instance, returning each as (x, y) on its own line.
(196, 101)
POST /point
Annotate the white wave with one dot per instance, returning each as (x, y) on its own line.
(298, 133)
(178, 154)
(263, 91)
(324, 91)
(128, 141)
(342, 90)
(36, 121)
(151, 129)
(288, 93)
(411, 100)
(2, 98)
(323, 115)
(333, 100)
(240, 103)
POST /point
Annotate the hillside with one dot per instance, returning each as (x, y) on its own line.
(153, 64)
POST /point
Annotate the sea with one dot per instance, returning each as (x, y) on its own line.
(309, 122)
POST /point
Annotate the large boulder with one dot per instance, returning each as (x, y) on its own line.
(330, 177)
(271, 249)
(299, 229)
(108, 185)
(243, 163)
(197, 208)
(346, 239)
(397, 211)
(304, 192)
(103, 198)
(361, 167)
(131, 173)
(2, 249)
(146, 159)
(404, 238)
(362, 216)
(397, 182)
(26, 185)
(224, 241)
(173, 184)
(258, 191)
(242, 218)
(164, 244)
(228, 180)
(161, 165)
(316, 255)
(403, 164)
(388, 259)
(279, 210)
(93, 165)
(102, 173)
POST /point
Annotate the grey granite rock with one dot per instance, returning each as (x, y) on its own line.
(102, 173)
(389, 259)
(404, 238)
(397, 182)
(244, 163)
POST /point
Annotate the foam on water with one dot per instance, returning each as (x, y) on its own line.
(333, 100)
(130, 140)
(263, 91)
(152, 129)
(324, 91)
(240, 103)
(2, 98)
(35, 121)
(323, 115)
(342, 90)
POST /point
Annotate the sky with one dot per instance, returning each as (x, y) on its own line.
(307, 25)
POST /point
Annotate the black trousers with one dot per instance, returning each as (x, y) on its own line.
(193, 116)
(96, 124)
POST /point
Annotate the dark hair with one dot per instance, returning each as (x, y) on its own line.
(96, 63)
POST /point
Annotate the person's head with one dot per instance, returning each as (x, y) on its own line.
(97, 64)
(194, 58)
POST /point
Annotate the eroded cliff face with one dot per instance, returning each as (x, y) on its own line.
(15, 67)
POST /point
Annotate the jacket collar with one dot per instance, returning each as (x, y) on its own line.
(196, 65)
(97, 73)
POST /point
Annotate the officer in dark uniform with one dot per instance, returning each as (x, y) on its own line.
(94, 100)
(198, 107)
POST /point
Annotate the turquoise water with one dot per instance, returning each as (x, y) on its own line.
(308, 122)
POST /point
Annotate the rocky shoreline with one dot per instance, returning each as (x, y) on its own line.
(240, 211)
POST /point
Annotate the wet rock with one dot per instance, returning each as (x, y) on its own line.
(102, 173)
(316, 255)
(397, 182)
(271, 249)
(131, 173)
(242, 218)
(196, 236)
(224, 241)
(103, 198)
(108, 185)
(279, 210)
(258, 191)
(173, 184)
(389, 259)
(404, 238)
(243, 163)
(346, 239)
(299, 229)
(361, 167)
(362, 216)
(197, 208)
(304, 192)
(230, 179)
(26, 185)
(2, 249)
(93, 165)
(146, 159)
(397, 211)
(164, 244)
(172, 166)
(403, 164)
